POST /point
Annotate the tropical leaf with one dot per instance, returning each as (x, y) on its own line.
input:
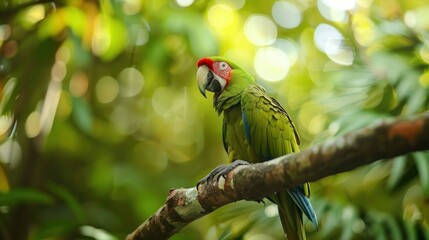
(21, 195)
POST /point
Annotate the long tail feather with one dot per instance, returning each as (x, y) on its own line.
(298, 196)
(290, 216)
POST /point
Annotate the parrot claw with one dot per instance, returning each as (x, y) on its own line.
(221, 171)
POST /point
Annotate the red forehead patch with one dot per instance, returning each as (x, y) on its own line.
(205, 61)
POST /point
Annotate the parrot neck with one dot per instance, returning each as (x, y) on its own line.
(224, 101)
(231, 95)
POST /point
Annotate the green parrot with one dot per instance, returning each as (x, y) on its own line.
(256, 128)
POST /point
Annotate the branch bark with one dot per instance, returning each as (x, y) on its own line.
(385, 140)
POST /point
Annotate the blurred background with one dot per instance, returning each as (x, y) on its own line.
(101, 116)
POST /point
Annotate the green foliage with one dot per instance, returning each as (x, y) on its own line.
(101, 116)
(17, 196)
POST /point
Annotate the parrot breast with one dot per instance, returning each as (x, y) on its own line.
(234, 137)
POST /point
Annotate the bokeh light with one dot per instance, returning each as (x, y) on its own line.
(417, 18)
(50, 105)
(64, 106)
(286, 14)
(326, 34)
(363, 29)
(312, 117)
(410, 19)
(101, 39)
(289, 48)
(36, 13)
(125, 119)
(234, 4)
(340, 5)
(9, 50)
(330, 41)
(58, 71)
(107, 89)
(340, 53)
(330, 13)
(63, 54)
(10, 153)
(33, 125)
(53, 94)
(140, 34)
(5, 31)
(260, 30)
(221, 16)
(162, 100)
(6, 122)
(184, 3)
(96, 233)
(271, 211)
(131, 7)
(424, 79)
(424, 53)
(109, 37)
(78, 84)
(130, 82)
(271, 64)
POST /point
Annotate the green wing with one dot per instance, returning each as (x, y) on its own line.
(267, 125)
(271, 133)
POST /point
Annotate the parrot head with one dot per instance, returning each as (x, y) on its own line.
(214, 74)
(222, 77)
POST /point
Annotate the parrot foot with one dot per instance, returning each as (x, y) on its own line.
(221, 171)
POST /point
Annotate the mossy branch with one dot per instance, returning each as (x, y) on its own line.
(384, 140)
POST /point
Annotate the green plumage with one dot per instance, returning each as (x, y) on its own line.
(266, 132)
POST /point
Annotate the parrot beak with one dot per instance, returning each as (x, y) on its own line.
(207, 80)
(202, 82)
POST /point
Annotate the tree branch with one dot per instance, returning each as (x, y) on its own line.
(254, 182)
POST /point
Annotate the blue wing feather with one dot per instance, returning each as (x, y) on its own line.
(298, 196)
(246, 127)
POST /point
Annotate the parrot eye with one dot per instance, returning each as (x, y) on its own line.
(223, 66)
